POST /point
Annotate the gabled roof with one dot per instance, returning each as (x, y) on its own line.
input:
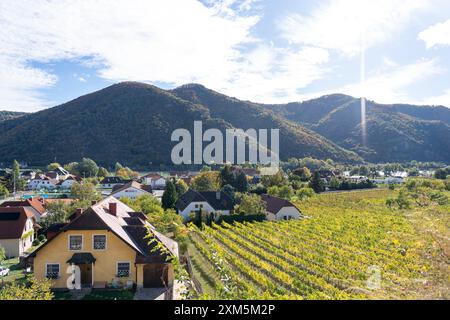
(35, 203)
(218, 200)
(275, 204)
(112, 180)
(12, 221)
(124, 225)
(153, 176)
(132, 184)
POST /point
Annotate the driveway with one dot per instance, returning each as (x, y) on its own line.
(150, 294)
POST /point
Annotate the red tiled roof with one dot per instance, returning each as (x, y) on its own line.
(35, 203)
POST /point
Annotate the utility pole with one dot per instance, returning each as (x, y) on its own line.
(14, 184)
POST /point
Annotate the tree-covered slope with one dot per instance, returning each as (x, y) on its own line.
(394, 132)
(132, 123)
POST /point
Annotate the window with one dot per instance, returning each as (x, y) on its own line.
(123, 269)
(52, 271)
(99, 242)
(75, 242)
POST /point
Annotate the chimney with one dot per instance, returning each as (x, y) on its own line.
(76, 214)
(217, 195)
(113, 208)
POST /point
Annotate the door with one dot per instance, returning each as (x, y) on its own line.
(155, 276)
(86, 274)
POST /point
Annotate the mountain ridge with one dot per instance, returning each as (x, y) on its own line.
(131, 122)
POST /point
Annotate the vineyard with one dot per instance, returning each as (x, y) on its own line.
(350, 246)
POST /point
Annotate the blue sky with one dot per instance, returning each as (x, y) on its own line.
(271, 51)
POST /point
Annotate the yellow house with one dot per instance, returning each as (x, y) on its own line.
(105, 245)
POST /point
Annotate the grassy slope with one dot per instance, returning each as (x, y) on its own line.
(409, 246)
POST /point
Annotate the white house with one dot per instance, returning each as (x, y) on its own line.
(280, 209)
(67, 184)
(17, 230)
(156, 181)
(42, 182)
(131, 190)
(210, 202)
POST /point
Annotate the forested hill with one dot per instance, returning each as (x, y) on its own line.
(132, 123)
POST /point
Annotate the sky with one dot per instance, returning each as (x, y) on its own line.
(269, 51)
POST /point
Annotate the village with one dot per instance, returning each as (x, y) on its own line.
(115, 235)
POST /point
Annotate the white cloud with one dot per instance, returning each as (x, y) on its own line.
(339, 24)
(272, 75)
(172, 41)
(438, 34)
(390, 83)
(439, 100)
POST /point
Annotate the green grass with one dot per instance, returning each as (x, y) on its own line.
(15, 271)
(203, 272)
(110, 295)
(62, 295)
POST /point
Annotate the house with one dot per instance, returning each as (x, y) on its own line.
(34, 205)
(131, 190)
(107, 244)
(210, 201)
(357, 179)
(58, 174)
(67, 184)
(110, 182)
(42, 182)
(17, 230)
(28, 175)
(280, 209)
(156, 181)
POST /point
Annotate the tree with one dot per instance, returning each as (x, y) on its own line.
(169, 197)
(72, 168)
(334, 183)
(277, 179)
(442, 173)
(230, 191)
(127, 174)
(35, 290)
(251, 204)
(304, 173)
(57, 212)
(181, 187)
(363, 171)
(285, 192)
(53, 166)
(3, 191)
(305, 193)
(103, 172)
(316, 183)
(117, 166)
(227, 176)
(206, 181)
(87, 168)
(205, 169)
(241, 182)
(14, 182)
(2, 254)
(85, 191)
